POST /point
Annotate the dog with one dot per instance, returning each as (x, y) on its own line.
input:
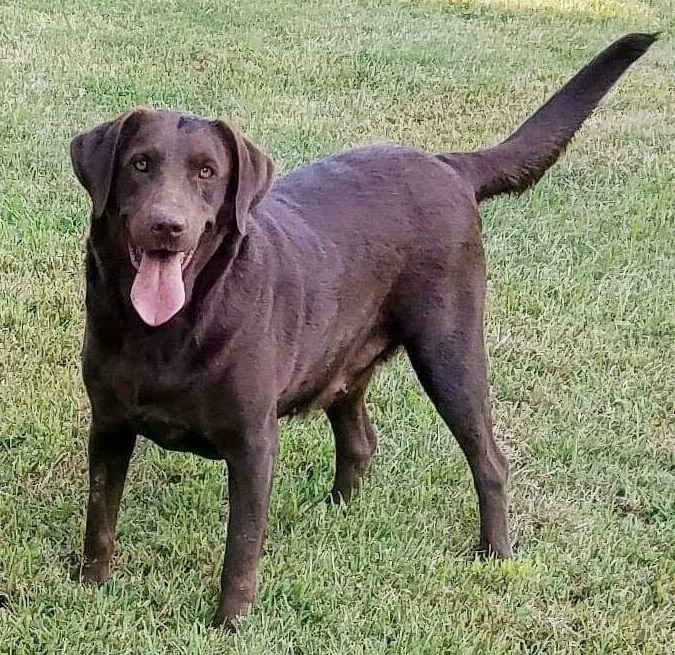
(219, 300)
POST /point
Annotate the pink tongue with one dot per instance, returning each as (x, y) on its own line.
(158, 292)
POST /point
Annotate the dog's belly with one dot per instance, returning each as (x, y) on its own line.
(321, 388)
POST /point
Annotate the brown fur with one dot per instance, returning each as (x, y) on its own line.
(292, 298)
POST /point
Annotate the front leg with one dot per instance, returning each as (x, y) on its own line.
(110, 450)
(250, 469)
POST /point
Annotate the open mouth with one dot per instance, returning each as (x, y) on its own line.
(136, 255)
(158, 290)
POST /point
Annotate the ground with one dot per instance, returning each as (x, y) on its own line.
(580, 331)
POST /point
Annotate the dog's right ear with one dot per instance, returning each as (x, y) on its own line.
(93, 157)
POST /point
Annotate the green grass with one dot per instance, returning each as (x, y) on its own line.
(581, 334)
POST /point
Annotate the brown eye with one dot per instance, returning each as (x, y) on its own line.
(141, 165)
(205, 172)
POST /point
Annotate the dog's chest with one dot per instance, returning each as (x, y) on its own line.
(162, 399)
(146, 387)
(166, 432)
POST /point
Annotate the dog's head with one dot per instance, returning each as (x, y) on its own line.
(168, 187)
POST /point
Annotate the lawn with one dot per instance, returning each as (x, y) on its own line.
(580, 329)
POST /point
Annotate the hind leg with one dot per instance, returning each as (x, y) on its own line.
(355, 441)
(447, 352)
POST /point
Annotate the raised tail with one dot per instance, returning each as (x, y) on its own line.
(519, 162)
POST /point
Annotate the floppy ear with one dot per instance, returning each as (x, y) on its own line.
(255, 173)
(93, 157)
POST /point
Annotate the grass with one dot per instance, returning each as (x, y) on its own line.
(580, 333)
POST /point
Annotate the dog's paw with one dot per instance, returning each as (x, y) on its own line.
(232, 608)
(489, 552)
(226, 624)
(90, 573)
(339, 497)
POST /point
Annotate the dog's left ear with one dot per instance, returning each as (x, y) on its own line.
(93, 157)
(253, 169)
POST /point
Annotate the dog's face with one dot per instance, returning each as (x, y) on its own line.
(168, 187)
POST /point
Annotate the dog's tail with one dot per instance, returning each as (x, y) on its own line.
(519, 162)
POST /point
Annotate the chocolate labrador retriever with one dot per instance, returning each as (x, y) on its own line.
(218, 303)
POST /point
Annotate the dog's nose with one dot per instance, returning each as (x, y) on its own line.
(167, 226)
